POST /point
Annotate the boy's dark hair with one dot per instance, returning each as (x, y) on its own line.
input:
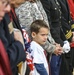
(37, 24)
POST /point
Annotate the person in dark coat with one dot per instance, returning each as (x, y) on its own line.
(14, 47)
(5, 68)
(16, 24)
(71, 7)
(66, 21)
(59, 20)
(12, 43)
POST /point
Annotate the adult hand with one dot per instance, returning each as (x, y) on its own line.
(58, 50)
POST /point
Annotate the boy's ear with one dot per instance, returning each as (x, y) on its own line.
(33, 34)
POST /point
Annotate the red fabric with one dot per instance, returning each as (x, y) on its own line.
(71, 6)
(12, 9)
(13, 12)
(4, 61)
(72, 44)
(27, 45)
(47, 62)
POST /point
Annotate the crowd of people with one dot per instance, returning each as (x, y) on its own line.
(36, 37)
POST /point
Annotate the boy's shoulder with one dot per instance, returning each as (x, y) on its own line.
(36, 46)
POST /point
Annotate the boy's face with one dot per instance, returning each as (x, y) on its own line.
(4, 8)
(41, 36)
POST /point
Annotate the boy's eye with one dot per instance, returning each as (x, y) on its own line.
(44, 34)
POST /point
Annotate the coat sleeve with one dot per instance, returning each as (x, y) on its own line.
(14, 48)
(66, 19)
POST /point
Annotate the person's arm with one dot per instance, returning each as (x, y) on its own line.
(49, 47)
(66, 19)
(41, 69)
(14, 48)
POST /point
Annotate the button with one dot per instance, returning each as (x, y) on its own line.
(55, 8)
(60, 17)
(69, 21)
(67, 31)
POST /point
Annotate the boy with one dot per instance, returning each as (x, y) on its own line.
(39, 33)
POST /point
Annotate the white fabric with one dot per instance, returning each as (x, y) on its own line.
(23, 68)
(66, 47)
(38, 55)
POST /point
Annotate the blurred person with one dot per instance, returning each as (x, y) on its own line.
(15, 21)
(4, 8)
(13, 44)
(5, 68)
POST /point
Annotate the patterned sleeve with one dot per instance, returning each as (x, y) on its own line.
(36, 14)
(24, 15)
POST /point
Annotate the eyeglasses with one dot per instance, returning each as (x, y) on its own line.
(5, 3)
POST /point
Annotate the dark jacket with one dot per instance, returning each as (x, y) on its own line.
(14, 48)
(16, 24)
(60, 26)
(66, 19)
(59, 19)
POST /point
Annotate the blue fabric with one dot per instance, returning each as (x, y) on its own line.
(41, 69)
(55, 64)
